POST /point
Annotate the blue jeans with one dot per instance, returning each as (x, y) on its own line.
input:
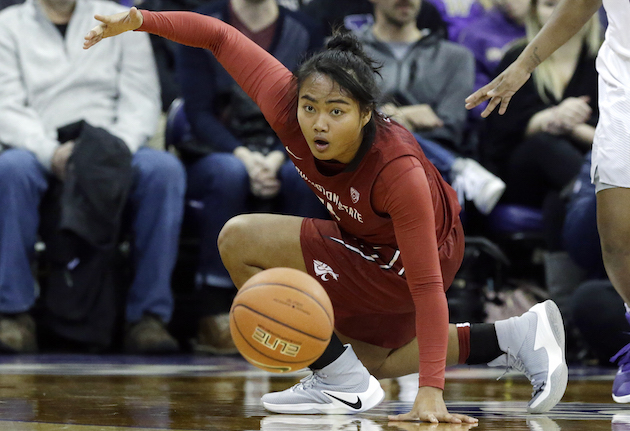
(218, 189)
(579, 233)
(156, 206)
(441, 158)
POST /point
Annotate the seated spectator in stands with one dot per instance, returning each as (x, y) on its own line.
(458, 14)
(537, 146)
(164, 50)
(7, 3)
(355, 14)
(489, 37)
(77, 121)
(238, 161)
(424, 79)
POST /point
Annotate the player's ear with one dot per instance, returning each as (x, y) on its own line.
(366, 117)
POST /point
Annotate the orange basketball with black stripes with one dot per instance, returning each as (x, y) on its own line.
(281, 320)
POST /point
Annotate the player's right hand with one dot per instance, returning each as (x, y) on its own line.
(500, 90)
(112, 25)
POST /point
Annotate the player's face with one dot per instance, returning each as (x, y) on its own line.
(331, 120)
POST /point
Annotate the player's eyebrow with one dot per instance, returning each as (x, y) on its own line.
(329, 101)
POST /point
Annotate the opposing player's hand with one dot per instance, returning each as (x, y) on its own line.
(112, 25)
(500, 90)
(429, 407)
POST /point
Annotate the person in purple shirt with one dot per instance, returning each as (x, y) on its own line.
(489, 36)
(458, 14)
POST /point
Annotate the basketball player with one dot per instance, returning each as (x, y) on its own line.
(388, 204)
(610, 166)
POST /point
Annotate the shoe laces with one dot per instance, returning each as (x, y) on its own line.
(514, 363)
(309, 381)
(623, 356)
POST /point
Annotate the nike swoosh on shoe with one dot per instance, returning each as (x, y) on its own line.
(357, 405)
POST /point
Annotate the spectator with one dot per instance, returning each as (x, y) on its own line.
(354, 14)
(7, 3)
(489, 36)
(458, 14)
(424, 80)
(537, 146)
(238, 161)
(165, 50)
(60, 109)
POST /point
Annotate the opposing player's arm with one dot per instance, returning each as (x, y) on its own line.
(567, 19)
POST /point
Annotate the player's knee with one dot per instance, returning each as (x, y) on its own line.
(616, 244)
(234, 240)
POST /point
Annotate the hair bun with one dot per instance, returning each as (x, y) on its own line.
(345, 42)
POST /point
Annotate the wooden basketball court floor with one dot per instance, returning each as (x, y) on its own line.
(128, 393)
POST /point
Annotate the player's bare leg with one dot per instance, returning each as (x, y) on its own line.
(389, 363)
(532, 343)
(250, 243)
(613, 206)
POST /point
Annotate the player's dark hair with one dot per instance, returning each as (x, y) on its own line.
(345, 62)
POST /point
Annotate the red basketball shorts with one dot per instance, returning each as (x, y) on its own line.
(366, 284)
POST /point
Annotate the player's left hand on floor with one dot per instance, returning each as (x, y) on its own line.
(421, 426)
(434, 417)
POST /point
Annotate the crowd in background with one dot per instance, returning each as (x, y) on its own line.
(109, 224)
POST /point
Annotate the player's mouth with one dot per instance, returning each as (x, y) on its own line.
(321, 145)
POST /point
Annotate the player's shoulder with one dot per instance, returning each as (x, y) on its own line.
(393, 138)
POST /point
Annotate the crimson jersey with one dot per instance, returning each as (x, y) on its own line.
(391, 195)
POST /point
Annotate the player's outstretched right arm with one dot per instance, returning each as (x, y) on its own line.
(113, 25)
(263, 77)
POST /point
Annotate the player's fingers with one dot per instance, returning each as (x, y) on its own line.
(92, 38)
(505, 101)
(102, 18)
(476, 98)
(491, 105)
(482, 94)
(95, 32)
(450, 419)
(466, 419)
(411, 416)
(401, 417)
(430, 417)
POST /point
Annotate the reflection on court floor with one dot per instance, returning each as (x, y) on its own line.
(116, 393)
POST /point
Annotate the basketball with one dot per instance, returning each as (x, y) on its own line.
(281, 320)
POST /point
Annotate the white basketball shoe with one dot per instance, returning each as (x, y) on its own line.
(343, 387)
(534, 345)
